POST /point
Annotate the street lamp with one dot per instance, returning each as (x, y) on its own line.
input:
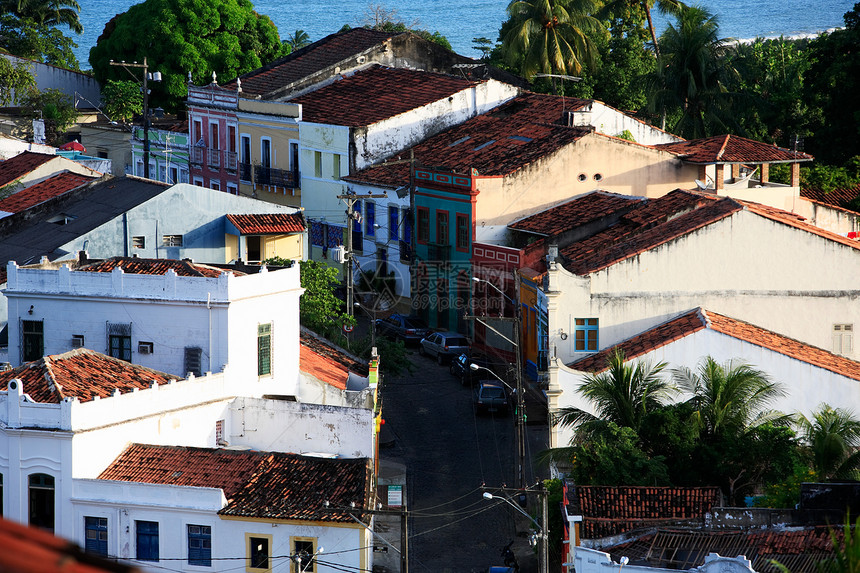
(298, 558)
(541, 533)
(474, 368)
(521, 411)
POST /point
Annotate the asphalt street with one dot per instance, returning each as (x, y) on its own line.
(450, 454)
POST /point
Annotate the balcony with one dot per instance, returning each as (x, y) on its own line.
(260, 175)
(438, 253)
(231, 159)
(197, 155)
(214, 158)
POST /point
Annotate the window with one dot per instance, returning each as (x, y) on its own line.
(96, 535)
(198, 181)
(214, 140)
(172, 240)
(245, 158)
(370, 218)
(193, 360)
(232, 189)
(266, 152)
(138, 242)
(317, 164)
(393, 223)
(200, 545)
(32, 340)
(215, 185)
(258, 551)
(585, 339)
(146, 533)
(264, 349)
(41, 500)
(463, 234)
(357, 237)
(303, 549)
(335, 167)
(442, 227)
(231, 138)
(174, 175)
(198, 131)
(102, 153)
(119, 341)
(219, 433)
(423, 225)
(843, 339)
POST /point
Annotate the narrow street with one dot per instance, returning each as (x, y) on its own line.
(449, 454)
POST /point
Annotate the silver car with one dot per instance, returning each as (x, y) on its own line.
(444, 346)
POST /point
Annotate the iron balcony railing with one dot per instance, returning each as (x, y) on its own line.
(252, 173)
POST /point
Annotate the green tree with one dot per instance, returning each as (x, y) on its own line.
(56, 108)
(551, 36)
(381, 17)
(832, 436)
(298, 40)
(484, 46)
(634, 9)
(122, 100)
(623, 395)
(319, 308)
(691, 79)
(846, 549)
(46, 12)
(16, 81)
(179, 37)
(29, 39)
(616, 458)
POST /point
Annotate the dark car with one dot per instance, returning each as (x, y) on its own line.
(444, 346)
(461, 369)
(490, 396)
(409, 329)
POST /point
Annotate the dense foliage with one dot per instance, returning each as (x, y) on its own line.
(31, 39)
(182, 37)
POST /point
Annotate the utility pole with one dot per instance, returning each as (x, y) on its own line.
(350, 199)
(412, 234)
(521, 399)
(155, 77)
(404, 537)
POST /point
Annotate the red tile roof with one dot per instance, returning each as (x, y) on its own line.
(650, 224)
(698, 319)
(138, 266)
(22, 164)
(499, 142)
(836, 198)
(731, 149)
(32, 550)
(326, 362)
(274, 224)
(377, 93)
(264, 485)
(309, 60)
(610, 510)
(82, 374)
(42, 191)
(579, 211)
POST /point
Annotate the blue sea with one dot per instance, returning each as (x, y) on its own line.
(462, 21)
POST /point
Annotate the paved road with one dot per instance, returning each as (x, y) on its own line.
(449, 454)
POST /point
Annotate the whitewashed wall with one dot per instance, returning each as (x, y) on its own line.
(745, 266)
(833, 219)
(610, 121)
(806, 386)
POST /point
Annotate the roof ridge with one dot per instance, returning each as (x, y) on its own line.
(723, 146)
(703, 315)
(50, 379)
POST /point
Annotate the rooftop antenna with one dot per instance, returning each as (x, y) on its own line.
(561, 77)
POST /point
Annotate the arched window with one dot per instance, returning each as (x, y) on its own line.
(42, 501)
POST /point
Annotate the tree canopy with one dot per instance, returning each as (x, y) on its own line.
(33, 40)
(179, 37)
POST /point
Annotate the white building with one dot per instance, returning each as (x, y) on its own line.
(172, 316)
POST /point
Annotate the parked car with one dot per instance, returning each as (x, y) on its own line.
(490, 396)
(461, 369)
(409, 329)
(444, 346)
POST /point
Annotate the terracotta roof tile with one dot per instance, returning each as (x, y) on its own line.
(270, 224)
(326, 362)
(20, 165)
(652, 223)
(289, 486)
(836, 198)
(377, 93)
(698, 319)
(499, 142)
(731, 149)
(610, 510)
(267, 485)
(42, 191)
(33, 550)
(138, 266)
(579, 211)
(307, 61)
(82, 374)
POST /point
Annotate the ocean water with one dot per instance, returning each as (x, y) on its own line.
(462, 21)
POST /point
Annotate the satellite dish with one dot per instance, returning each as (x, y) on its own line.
(702, 185)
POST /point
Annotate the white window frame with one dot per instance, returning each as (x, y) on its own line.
(272, 155)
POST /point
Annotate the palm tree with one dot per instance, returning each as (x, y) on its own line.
(731, 399)
(46, 12)
(692, 76)
(551, 36)
(623, 394)
(298, 40)
(833, 438)
(665, 7)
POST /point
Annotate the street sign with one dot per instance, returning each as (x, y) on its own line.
(348, 328)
